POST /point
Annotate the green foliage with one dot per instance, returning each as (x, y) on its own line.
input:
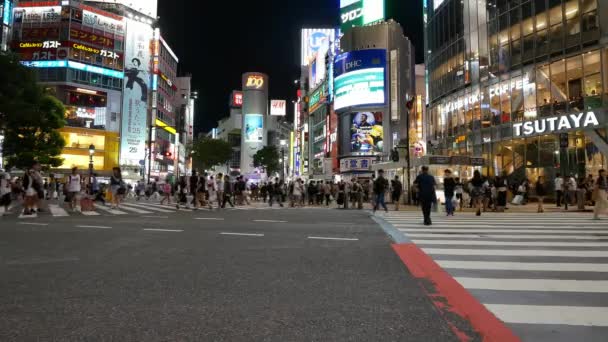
(268, 158)
(208, 153)
(29, 118)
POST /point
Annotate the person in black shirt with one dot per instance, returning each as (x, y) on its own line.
(449, 185)
(380, 185)
(426, 193)
(397, 188)
(477, 191)
(541, 193)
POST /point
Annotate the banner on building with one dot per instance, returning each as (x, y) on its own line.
(278, 107)
(135, 93)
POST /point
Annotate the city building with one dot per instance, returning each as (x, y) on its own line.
(6, 11)
(517, 88)
(374, 80)
(186, 106)
(78, 51)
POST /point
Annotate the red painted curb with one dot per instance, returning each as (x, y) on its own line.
(459, 300)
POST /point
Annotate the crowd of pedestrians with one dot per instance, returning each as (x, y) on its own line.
(480, 193)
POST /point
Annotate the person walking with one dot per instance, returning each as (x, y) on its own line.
(458, 192)
(449, 187)
(182, 193)
(325, 193)
(74, 188)
(559, 189)
(276, 192)
(357, 194)
(501, 194)
(228, 191)
(220, 188)
(6, 189)
(601, 195)
(541, 193)
(166, 189)
(298, 190)
(117, 187)
(567, 187)
(380, 186)
(194, 179)
(397, 190)
(477, 191)
(426, 194)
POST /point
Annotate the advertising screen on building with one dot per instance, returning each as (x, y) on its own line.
(135, 93)
(360, 12)
(254, 128)
(236, 99)
(313, 40)
(37, 15)
(360, 79)
(366, 132)
(278, 107)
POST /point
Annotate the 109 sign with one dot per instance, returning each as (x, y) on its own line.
(255, 81)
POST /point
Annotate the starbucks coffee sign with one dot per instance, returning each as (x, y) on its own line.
(556, 124)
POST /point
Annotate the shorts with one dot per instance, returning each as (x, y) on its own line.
(5, 199)
(72, 195)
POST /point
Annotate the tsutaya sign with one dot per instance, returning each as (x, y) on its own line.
(554, 124)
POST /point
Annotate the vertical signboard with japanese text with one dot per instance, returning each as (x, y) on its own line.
(135, 93)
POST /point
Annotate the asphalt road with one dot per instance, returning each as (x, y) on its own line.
(192, 276)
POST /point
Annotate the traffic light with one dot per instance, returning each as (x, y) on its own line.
(167, 154)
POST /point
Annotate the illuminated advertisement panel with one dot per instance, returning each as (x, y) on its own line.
(43, 14)
(92, 38)
(278, 107)
(100, 22)
(254, 128)
(366, 133)
(236, 99)
(313, 40)
(360, 79)
(360, 12)
(74, 65)
(6, 12)
(135, 93)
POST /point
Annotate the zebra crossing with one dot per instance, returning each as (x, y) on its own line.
(544, 275)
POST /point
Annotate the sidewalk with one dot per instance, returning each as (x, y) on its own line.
(511, 208)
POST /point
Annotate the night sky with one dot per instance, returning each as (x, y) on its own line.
(217, 46)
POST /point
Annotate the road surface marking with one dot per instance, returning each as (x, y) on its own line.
(111, 211)
(209, 218)
(511, 243)
(507, 236)
(164, 230)
(522, 266)
(58, 211)
(159, 217)
(474, 230)
(271, 221)
(134, 209)
(544, 285)
(554, 315)
(95, 227)
(21, 216)
(516, 252)
(242, 234)
(148, 207)
(33, 224)
(90, 213)
(332, 238)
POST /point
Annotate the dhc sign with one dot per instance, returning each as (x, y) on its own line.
(553, 124)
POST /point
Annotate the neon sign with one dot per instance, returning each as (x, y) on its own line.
(255, 81)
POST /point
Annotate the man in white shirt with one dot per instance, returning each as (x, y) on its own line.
(5, 192)
(74, 188)
(559, 189)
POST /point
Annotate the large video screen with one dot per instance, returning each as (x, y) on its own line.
(360, 79)
(366, 132)
(254, 128)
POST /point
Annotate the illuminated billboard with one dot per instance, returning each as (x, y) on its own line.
(74, 65)
(359, 79)
(236, 99)
(278, 107)
(366, 132)
(315, 39)
(360, 12)
(254, 128)
(135, 93)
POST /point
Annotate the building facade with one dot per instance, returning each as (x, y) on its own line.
(522, 84)
(78, 51)
(6, 14)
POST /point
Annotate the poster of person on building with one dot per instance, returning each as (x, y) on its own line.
(254, 128)
(366, 132)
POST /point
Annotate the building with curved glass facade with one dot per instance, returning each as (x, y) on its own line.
(521, 83)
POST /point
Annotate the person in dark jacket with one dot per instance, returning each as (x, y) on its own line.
(449, 185)
(426, 194)
(477, 191)
(541, 192)
(380, 186)
(397, 190)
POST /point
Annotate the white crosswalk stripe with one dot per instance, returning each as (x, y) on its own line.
(58, 211)
(110, 210)
(148, 207)
(538, 269)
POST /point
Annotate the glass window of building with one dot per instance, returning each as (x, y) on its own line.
(529, 90)
(559, 91)
(574, 69)
(517, 99)
(495, 106)
(593, 79)
(543, 93)
(485, 108)
(589, 15)
(505, 103)
(556, 25)
(573, 21)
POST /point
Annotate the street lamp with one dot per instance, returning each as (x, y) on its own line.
(283, 143)
(91, 153)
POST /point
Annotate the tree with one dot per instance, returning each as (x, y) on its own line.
(208, 153)
(268, 158)
(30, 118)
